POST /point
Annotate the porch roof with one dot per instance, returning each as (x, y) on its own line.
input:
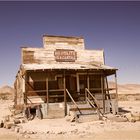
(66, 66)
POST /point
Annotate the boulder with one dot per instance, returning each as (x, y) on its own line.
(8, 125)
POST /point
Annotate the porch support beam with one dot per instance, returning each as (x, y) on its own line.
(116, 86)
(102, 91)
(26, 88)
(47, 94)
(65, 96)
(87, 80)
(77, 81)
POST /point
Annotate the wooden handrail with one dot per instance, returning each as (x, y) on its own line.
(87, 92)
(90, 102)
(51, 90)
(105, 89)
(73, 101)
(95, 100)
(29, 100)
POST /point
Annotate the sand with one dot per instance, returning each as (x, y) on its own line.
(60, 129)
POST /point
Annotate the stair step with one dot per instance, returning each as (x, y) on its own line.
(76, 109)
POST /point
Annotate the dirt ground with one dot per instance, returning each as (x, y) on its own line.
(60, 129)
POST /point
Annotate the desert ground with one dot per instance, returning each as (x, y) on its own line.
(113, 128)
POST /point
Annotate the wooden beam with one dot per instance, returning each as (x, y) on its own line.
(26, 88)
(116, 86)
(88, 81)
(102, 90)
(77, 80)
(47, 94)
(65, 97)
(87, 84)
(107, 87)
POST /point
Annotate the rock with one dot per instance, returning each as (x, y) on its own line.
(47, 132)
(22, 121)
(133, 116)
(68, 118)
(74, 131)
(26, 136)
(136, 116)
(6, 118)
(16, 121)
(13, 128)
(21, 131)
(16, 112)
(60, 133)
(1, 124)
(8, 125)
(30, 132)
(128, 115)
(17, 129)
(132, 119)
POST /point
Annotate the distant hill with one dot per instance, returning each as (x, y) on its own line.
(127, 88)
(6, 92)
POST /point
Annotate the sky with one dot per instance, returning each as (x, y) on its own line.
(112, 26)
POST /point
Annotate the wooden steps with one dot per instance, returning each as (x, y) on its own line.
(85, 108)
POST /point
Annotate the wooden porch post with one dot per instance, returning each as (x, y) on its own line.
(47, 94)
(26, 88)
(102, 90)
(116, 86)
(65, 96)
(77, 80)
(87, 84)
(107, 88)
(87, 80)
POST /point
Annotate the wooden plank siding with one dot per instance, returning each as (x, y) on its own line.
(63, 42)
(44, 56)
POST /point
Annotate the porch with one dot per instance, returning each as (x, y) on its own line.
(60, 91)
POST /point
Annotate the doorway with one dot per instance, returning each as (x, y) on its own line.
(71, 85)
(82, 83)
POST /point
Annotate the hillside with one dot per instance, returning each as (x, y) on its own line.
(6, 92)
(127, 88)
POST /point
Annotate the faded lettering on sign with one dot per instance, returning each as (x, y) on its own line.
(62, 55)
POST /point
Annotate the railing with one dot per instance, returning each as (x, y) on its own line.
(76, 106)
(88, 94)
(95, 104)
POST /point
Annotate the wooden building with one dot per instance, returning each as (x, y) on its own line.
(64, 77)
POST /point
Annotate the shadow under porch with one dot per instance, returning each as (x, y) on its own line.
(48, 88)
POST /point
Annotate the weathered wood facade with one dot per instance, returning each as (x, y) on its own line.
(63, 76)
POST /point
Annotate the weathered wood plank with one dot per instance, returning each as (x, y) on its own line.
(45, 56)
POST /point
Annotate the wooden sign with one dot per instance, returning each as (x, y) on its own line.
(63, 55)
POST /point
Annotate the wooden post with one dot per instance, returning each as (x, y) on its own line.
(116, 86)
(26, 88)
(77, 80)
(102, 90)
(88, 83)
(65, 97)
(107, 88)
(47, 94)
